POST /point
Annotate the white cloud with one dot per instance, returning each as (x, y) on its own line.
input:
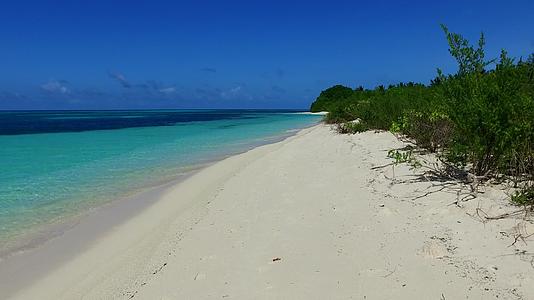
(231, 92)
(169, 90)
(54, 86)
(235, 90)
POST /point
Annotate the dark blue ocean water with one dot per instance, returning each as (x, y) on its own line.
(30, 122)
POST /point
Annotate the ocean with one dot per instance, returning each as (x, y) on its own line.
(56, 165)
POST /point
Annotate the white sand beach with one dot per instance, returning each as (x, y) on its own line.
(304, 218)
(319, 113)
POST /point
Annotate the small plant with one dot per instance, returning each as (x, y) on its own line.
(524, 197)
(352, 127)
(399, 157)
(396, 127)
(403, 157)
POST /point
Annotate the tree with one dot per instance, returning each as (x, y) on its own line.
(330, 98)
(470, 60)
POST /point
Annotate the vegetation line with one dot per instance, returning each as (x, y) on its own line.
(480, 120)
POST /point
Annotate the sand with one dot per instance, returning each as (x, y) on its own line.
(305, 218)
(319, 113)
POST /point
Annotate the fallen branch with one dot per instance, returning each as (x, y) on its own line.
(383, 166)
(520, 236)
(429, 193)
(503, 216)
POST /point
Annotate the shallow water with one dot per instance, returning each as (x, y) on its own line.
(56, 165)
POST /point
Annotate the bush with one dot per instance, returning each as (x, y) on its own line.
(351, 127)
(493, 115)
(479, 119)
(432, 131)
(341, 114)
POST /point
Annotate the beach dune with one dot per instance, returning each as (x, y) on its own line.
(304, 218)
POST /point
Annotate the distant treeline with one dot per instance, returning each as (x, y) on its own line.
(480, 119)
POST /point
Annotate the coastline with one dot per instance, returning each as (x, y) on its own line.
(306, 217)
(34, 237)
(38, 253)
(53, 178)
(65, 240)
(320, 113)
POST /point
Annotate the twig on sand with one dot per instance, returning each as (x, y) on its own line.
(505, 215)
(478, 217)
(159, 269)
(382, 166)
(520, 236)
(429, 193)
(441, 188)
(390, 273)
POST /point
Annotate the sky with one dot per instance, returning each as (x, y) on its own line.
(234, 54)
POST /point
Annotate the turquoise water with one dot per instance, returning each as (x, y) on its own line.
(52, 174)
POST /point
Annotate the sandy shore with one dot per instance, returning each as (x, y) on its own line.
(305, 218)
(320, 113)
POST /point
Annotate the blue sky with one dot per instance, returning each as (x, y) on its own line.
(233, 54)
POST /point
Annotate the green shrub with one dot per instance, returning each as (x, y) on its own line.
(341, 114)
(479, 119)
(352, 127)
(493, 116)
(432, 131)
(524, 197)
